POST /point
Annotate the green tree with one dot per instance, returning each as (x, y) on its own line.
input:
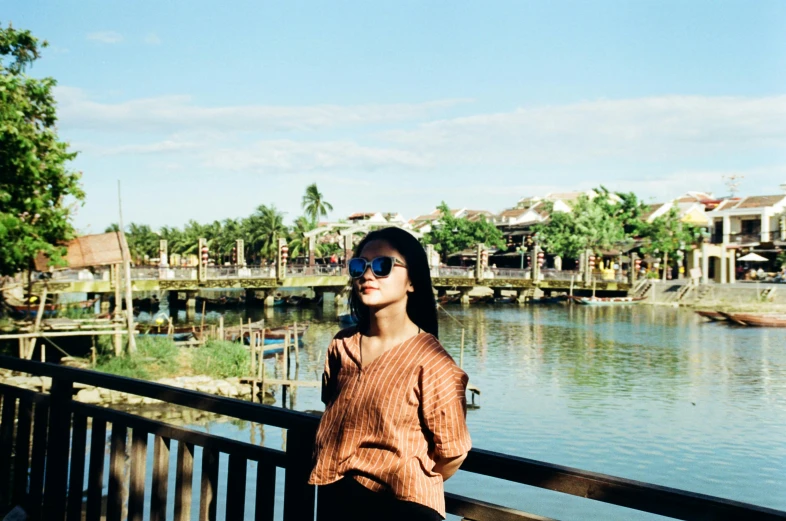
(37, 190)
(667, 236)
(298, 242)
(314, 204)
(451, 234)
(263, 229)
(112, 228)
(142, 241)
(591, 225)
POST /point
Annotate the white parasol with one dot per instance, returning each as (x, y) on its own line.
(752, 257)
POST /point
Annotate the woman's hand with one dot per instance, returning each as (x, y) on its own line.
(448, 466)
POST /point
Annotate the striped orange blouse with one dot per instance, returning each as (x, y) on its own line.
(385, 424)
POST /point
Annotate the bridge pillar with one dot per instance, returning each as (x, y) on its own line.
(497, 292)
(191, 305)
(465, 296)
(270, 300)
(250, 296)
(342, 299)
(441, 292)
(521, 296)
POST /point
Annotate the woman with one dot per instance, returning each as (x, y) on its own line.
(394, 426)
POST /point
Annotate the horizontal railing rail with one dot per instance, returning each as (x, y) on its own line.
(50, 439)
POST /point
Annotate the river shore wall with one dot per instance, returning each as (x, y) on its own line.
(739, 295)
(229, 387)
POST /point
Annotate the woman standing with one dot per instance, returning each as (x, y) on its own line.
(394, 426)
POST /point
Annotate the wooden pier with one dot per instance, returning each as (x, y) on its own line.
(44, 454)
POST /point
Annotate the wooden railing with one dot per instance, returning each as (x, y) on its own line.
(44, 455)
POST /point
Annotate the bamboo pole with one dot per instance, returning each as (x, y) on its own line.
(127, 269)
(461, 350)
(297, 346)
(285, 356)
(221, 328)
(202, 323)
(252, 344)
(45, 334)
(37, 326)
(261, 359)
(115, 272)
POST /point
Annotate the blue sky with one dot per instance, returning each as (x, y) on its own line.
(205, 110)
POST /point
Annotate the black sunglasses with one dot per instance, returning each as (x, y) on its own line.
(380, 267)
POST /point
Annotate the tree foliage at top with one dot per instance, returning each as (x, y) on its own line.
(314, 204)
(452, 234)
(37, 190)
(667, 234)
(593, 224)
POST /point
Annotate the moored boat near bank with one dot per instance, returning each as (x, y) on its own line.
(50, 309)
(757, 319)
(605, 301)
(714, 316)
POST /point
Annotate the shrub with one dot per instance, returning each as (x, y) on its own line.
(221, 359)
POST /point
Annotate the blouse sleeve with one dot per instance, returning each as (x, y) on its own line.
(443, 388)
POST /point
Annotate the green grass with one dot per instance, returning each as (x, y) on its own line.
(220, 359)
(155, 358)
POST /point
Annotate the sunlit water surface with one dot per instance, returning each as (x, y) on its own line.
(650, 394)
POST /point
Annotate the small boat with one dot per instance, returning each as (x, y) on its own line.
(714, 316)
(757, 319)
(449, 299)
(548, 300)
(179, 333)
(298, 301)
(50, 309)
(503, 300)
(606, 301)
(222, 301)
(346, 320)
(277, 335)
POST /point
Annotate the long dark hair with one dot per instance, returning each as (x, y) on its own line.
(421, 306)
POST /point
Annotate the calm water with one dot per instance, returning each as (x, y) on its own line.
(650, 394)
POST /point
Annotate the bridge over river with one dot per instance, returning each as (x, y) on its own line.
(321, 279)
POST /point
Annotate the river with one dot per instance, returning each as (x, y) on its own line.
(646, 393)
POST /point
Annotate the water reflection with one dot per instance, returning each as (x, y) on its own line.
(646, 393)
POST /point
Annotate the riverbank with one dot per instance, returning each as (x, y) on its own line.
(214, 368)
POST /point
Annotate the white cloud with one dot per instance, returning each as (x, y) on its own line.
(105, 37)
(643, 129)
(657, 147)
(179, 112)
(276, 156)
(152, 39)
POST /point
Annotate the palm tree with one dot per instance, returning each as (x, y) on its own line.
(298, 242)
(263, 229)
(314, 203)
(114, 227)
(142, 241)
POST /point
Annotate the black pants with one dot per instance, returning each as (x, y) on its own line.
(347, 500)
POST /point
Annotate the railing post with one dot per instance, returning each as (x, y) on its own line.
(57, 448)
(298, 494)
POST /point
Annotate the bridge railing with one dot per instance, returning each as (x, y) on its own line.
(455, 271)
(510, 273)
(44, 455)
(318, 270)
